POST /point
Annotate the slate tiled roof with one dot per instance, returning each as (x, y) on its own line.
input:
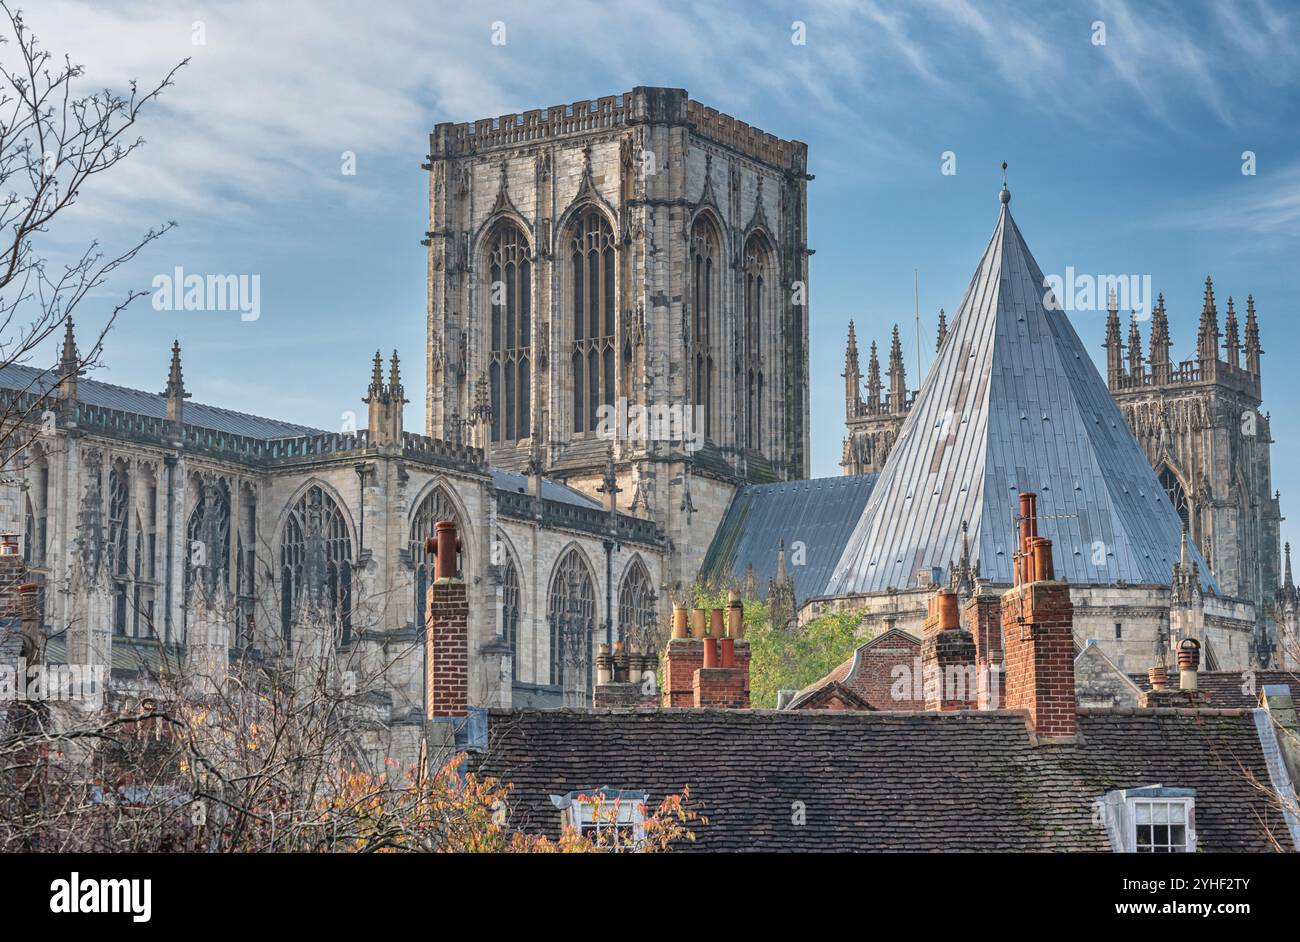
(136, 401)
(819, 513)
(889, 781)
(1013, 403)
(517, 482)
(1231, 689)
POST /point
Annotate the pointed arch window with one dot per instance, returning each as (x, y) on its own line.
(510, 602)
(757, 287)
(1177, 496)
(119, 503)
(637, 616)
(509, 292)
(316, 564)
(435, 506)
(208, 534)
(591, 313)
(35, 512)
(571, 616)
(705, 308)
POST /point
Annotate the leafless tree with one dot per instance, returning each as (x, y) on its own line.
(55, 139)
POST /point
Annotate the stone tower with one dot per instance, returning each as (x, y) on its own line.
(1199, 423)
(635, 269)
(873, 424)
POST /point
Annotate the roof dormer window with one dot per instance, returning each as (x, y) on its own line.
(1150, 820)
(612, 817)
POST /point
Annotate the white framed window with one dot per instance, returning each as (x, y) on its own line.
(1160, 826)
(1150, 820)
(615, 815)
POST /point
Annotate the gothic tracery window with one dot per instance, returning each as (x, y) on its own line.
(1177, 496)
(571, 616)
(316, 563)
(510, 303)
(510, 602)
(592, 304)
(757, 287)
(208, 534)
(435, 506)
(119, 501)
(35, 510)
(705, 309)
(637, 618)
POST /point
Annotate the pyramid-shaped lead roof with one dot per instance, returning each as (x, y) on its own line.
(1013, 403)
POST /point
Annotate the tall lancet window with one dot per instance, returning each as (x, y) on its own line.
(511, 598)
(1177, 496)
(36, 508)
(592, 303)
(316, 564)
(509, 292)
(705, 308)
(119, 568)
(571, 614)
(208, 534)
(436, 506)
(757, 286)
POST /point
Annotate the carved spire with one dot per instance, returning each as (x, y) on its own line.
(395, 379)
(943, 331)
(1252, 337)
(69, 370)
(874, 385)
(377, 378)
(897, 376)
(1287, 582)
(1231, 339)
(852, 377)
(175, 391)
(1135, 369)
(68, 361)
(1159, 357)
(1114, 346)
(1207, 338)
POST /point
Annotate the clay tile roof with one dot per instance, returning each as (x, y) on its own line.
(1232, 689)
(890, 781)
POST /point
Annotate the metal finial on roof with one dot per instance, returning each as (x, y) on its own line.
(1005, 195)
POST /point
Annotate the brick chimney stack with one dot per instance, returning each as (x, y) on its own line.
(710, 669)
(682, 658)
(1038, 637)
(447, 637)
(947, 656)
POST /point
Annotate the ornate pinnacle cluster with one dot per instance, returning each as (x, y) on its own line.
(897, 375)
(1158, 369)
(382, 392)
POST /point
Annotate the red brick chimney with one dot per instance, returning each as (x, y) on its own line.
(682, 658)
(711, 669)
(447, 637)
(1038, 636)
(947, 656)
(722, 680)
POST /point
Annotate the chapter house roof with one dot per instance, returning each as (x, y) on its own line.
(1013, 403)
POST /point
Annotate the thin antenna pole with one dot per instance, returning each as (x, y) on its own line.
(916, 288)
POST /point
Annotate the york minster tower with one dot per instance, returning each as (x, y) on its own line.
(594, 260)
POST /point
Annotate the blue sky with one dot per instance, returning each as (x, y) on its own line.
(1125, 158)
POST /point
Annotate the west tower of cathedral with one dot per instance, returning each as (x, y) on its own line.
(635, 266)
